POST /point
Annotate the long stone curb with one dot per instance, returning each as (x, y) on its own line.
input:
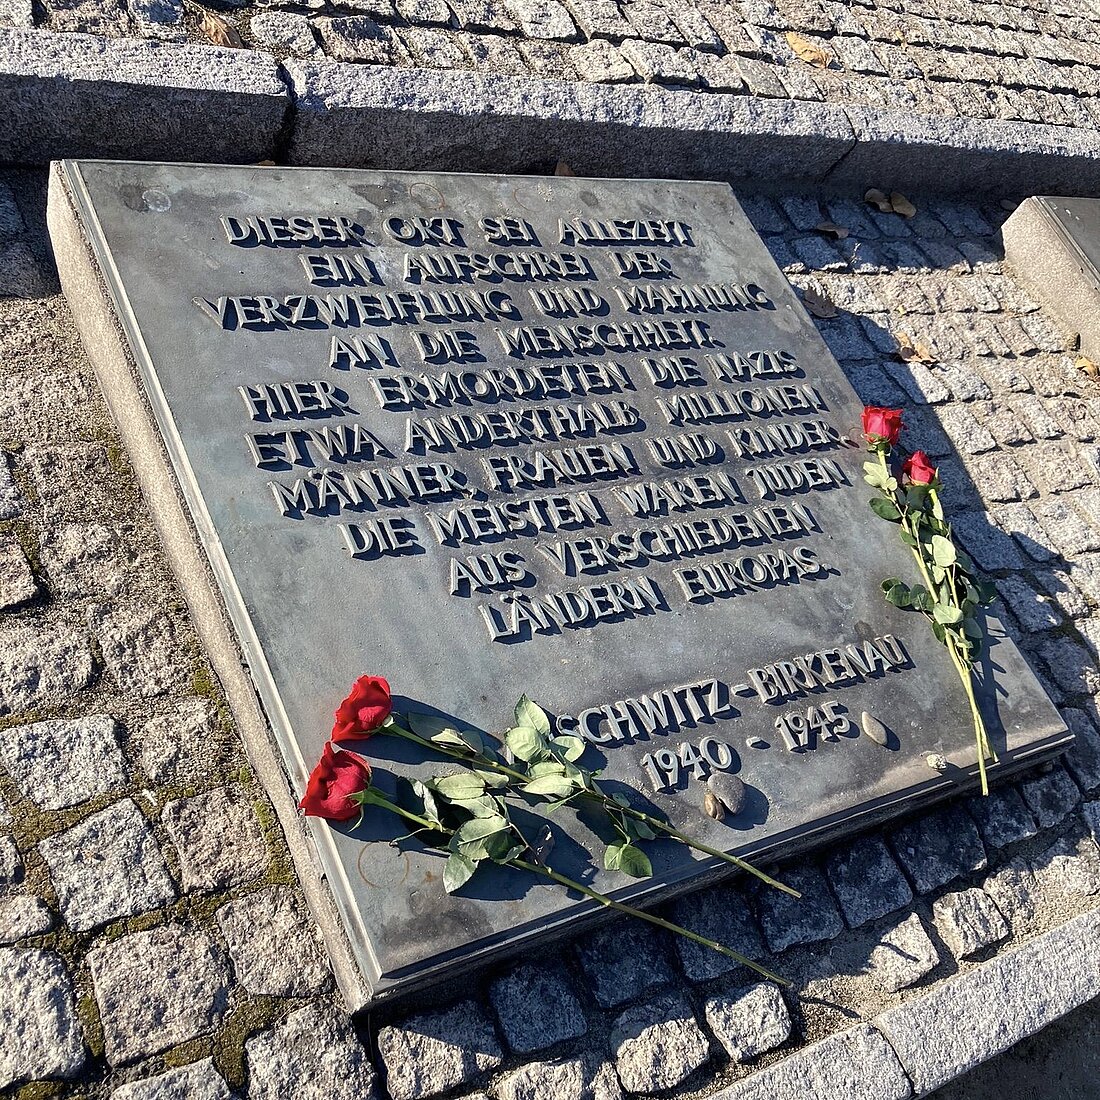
(78, 95)
(921, 1045)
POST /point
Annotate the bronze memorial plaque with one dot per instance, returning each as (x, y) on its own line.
(571, 438)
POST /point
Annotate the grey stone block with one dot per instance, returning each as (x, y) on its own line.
(623, 961)
(721, 914)
(41, 1035)
(1013, 888)
(983, 1012)
(1001, 817)
(354, 116)
(585, 1078)
(21, 916)
(17, 583)
(140, 647)
(903, 956)
(1071, 865)
(938, 848)
(968, 921)
(658, 1044)
(867, 881)
(40, 661)
(198, 1081)
(750, 1021)
(75, 95)
(536, 1008)
(438, 1051)
(788, 921)
(1051, 797)
(856, 1064)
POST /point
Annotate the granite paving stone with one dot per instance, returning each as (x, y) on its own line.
(601, 61)
(788, 921)
(722, 914)
(218, 839)
(156, 989)
(198, 1081)
(1072, 666)
(107, 866)
(938, 848)
(314, 1054)
(1051, 797)
(70, 481)
(988, 545)
(17, 584)
(41, 1034)
(23, 915)
(141, 648)
(600, 17)
(749, 1021)
(536, 1008)
(285, 33)
(438, 1051)
(11, 865)
(356, 38)
(10, 498)
(542, 19)
(623, 962)
(968, 921)
(61, 763)
(275, 947)
(867, 881)
(1034, 610)
(1020, 522)
(1069, 532)
(87, 559)
(178, 746)
(903, 956)
(658, 1044)
(584, 1078)
(1002, 817)
(1070, 866)
(1013, 886)
(40, 661)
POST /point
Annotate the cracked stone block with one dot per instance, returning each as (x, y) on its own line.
(218, 839)
(481, 15)
(40, 663)
(285, 33)
(600, 18)
(721, 914)
(61, 763)
(536, 1008)
(585, 1078)
(867, 881)
(87, 559)
(161, 19)
(1013, 887)
(314, 1054)
(969, 921)
(1051, 797)
(11, 865)
(437, 1051)
(1070, 866)
(274, 946)
(1001, 817)
(198, 1081)
(623, 961)
(177, 747)
(21, 916)
(41, 1035)
(938, 848)
(157, 989)
(903, 956)
(601, 62)
(140, 649)
(424, 13)
(658, 1044)
(659, 64)
(750, 1021)
(16, 580)
(107, 866)
(788, 921)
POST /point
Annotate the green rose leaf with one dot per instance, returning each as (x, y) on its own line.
(464, 785)
(526, 743)
(529, 713)
(485, 806)
(887, 509)
(431, 726)
(898, 594)
(946, 614)
(907, 538)
(492, 779)
(572, 747)
(873, 474)
(457, 871)
(943, 551)
(556, 786)
(973, 629)
(639, 830)
(475, 838)
(628, 859)
(940, 631)
(431, 809)
(546, 767)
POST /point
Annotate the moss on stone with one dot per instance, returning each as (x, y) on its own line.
(87, 1012)
(203, 681)
(40, 1090)
(188, 1052)
(240, 1025)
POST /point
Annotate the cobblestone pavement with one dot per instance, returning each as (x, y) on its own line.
(153, 940)
(1023, 60)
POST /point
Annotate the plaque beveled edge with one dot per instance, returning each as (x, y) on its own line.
(129, 383)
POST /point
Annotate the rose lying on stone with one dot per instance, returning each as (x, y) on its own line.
(918, 469)
(364, 710)
(334, 784)
(881, 425)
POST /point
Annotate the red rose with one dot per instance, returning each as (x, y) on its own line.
(364, 710)
(881, 425)
(337, 777)
(918, 469)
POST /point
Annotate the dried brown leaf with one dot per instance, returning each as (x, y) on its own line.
(901, 205)
(1085, 364)
(808, 51)
(831, 229)
(878, 198)
(563, 169)
(910, 351)
(220, 31)
(713, 806)
(820, 305)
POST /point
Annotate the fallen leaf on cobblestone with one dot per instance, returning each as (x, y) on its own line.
(831, 229)
(220, 31)
(819, 304)
(901, 205)
(808, 51)
(879, 198)
(1083, 363)
(909, 351)
(894, 203)
(563, 169)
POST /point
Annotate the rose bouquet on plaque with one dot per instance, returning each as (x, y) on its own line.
(950, 592)
(464, 813)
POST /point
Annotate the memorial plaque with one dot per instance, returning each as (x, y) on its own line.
(574, 438)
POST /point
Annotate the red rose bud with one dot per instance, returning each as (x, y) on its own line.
(881, 425)
(337, 777)
(918, 469)
(364, 710)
